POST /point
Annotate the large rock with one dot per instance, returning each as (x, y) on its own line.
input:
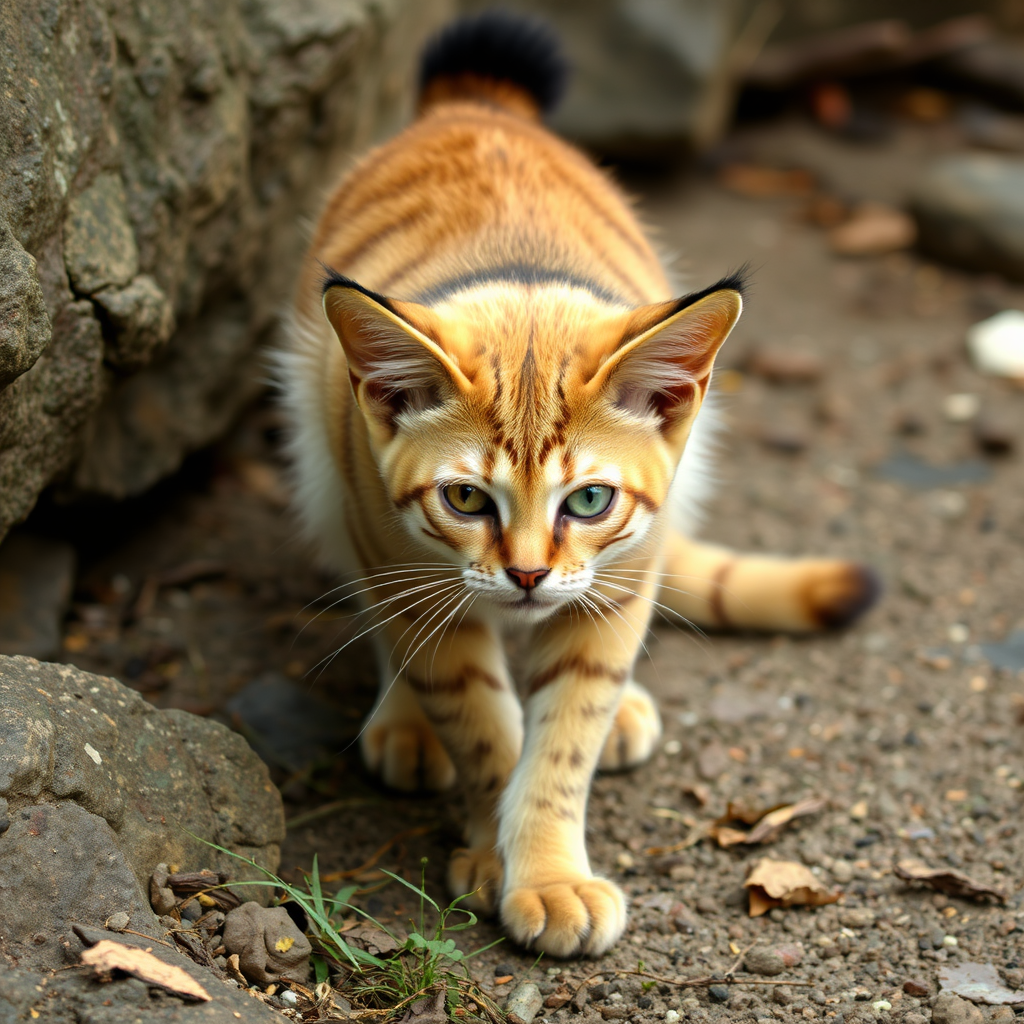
(156, 164)
(970, 212)
(96, 788)
(76, 997)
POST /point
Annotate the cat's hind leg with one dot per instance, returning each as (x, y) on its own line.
(717, 588)
(399, 743)
(635, 730)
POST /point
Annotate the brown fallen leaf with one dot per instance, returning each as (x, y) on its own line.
(952, 883)
(773, 822)
(872, 229)
(757, 181)
(108, 956)
(784, 883)
(766, 823)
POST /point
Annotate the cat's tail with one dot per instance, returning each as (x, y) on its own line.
(508, 60)
(717, 588)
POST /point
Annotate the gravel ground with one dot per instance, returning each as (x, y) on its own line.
(902, 725)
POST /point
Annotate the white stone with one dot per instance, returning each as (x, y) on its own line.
(997, 344)
(961, 407)
(93, 753)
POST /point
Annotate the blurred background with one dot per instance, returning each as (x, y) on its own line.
(160, 171)
(160, 168)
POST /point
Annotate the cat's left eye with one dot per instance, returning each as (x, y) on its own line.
(589, 501)
(468, 500)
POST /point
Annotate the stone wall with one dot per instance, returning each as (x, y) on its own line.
(157, 162)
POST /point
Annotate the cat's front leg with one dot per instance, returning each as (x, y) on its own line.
(552, 901)
(463, 686)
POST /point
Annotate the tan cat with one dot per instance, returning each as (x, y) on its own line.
(488, 430)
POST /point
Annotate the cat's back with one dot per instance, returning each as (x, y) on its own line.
(475, 189)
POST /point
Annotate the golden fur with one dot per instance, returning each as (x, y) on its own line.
(513, 331)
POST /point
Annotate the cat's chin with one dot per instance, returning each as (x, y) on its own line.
(525, 611)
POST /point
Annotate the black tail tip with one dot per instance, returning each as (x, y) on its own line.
(504, 46)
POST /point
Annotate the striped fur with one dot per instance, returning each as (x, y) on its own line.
(494, 317)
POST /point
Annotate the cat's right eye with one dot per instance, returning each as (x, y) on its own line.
(468, 500)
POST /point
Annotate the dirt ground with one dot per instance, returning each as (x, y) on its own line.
(901, 724)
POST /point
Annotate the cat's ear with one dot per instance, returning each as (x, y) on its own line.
(663, 362)
(394, 360)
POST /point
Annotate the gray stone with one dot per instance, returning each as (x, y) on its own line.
(140, 320)
(126, 784)
(157, 164)
(970, 212)
(270, 946)
(75, 997)
(99, 244)
(36, 577)
(951, 1009)
(60, 864)
(24, 323)
(287, 724)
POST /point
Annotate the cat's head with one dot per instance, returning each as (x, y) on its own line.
(529, 436)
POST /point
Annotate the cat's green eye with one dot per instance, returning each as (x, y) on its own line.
(467, 499)
(589, 501)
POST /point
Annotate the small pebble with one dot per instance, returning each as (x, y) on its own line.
(961, 407)
(842, 871)
(916, 987)
(880, 1005)
(785, 366)
(502, 969)
(707, 905)
(645, 1002)
(993, 436)
(671, 1016)
(779, 438)
(997, 344)
(289, 998)
(719, 993)
(117, 922)
(523, 1003)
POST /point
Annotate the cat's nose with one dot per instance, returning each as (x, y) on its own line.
(527, 578)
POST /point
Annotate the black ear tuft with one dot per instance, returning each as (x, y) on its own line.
(503, 46)
(737, 281)
(333, 279)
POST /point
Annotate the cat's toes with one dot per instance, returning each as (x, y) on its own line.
(477, 871)
(634, 733)
(407, 756)
(840, 592)
(580, 917)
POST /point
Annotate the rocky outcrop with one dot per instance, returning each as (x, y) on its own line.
(156, 164)
(970, 212)
(97, 787)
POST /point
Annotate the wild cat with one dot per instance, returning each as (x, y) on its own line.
(488, 429)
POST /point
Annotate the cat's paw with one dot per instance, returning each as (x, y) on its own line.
(577, 917)
(477, 871)
(407, 756)
(634, 733)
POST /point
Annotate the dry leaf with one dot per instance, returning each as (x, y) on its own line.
(978, 982)
(952, 883)
(772, 823)
(107, 956)
(784, 883)
(766, 824)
